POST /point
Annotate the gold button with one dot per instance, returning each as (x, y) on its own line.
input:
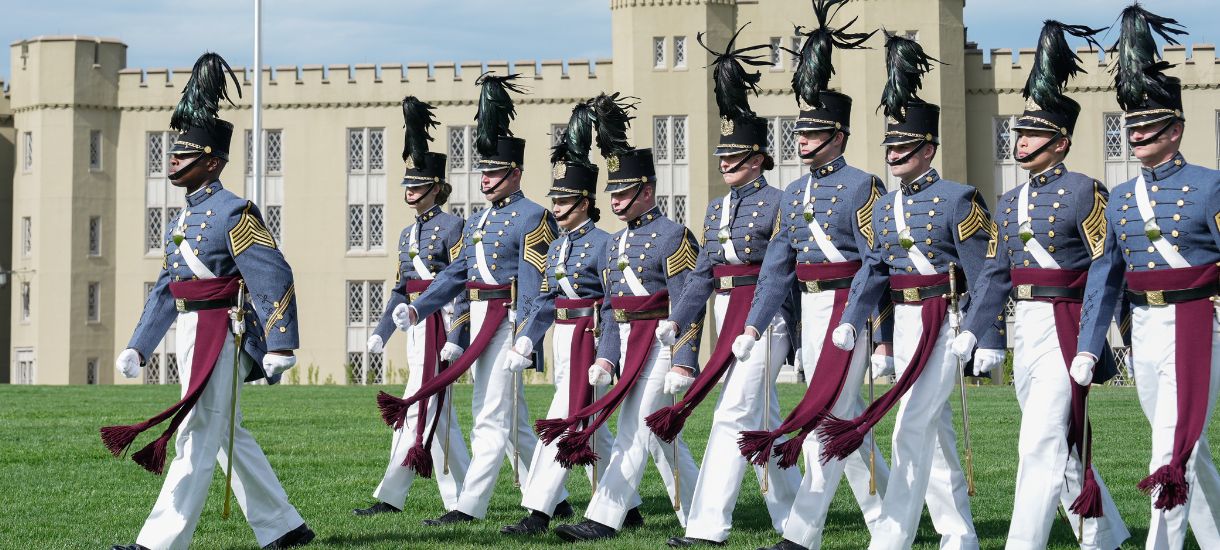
(1177, 217)
(282, 329)
(1151, 265)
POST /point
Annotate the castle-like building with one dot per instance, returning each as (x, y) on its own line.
(84, 139)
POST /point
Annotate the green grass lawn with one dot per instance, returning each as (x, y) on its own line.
(62, 489)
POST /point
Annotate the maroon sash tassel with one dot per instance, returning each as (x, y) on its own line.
(1193, 336)
(667, 422)
(394, 409)
(573, 449)
(419, 457)
(210, 334)
(842, 437)
(582, 353)
(829, 377)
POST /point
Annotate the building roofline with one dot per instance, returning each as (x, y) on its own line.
(69, 38)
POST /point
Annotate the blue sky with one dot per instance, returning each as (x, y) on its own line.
(161, 33)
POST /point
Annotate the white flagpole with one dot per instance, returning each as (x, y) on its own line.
(256, 145)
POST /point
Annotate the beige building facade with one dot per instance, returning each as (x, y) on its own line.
(84, 138)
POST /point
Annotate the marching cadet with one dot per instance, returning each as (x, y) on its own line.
(735, 230)
(500, 269)
(925, 231)
(222, 273)
(825, 228)
(424, 249)
(1052, 228)
(648, 261)
(570, 298)
(1163, 240)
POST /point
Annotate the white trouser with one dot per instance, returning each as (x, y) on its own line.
(201, 443)
(924, 462)
(448, 445)
(493, 436)
(1152, 349)
(1048, 475)
(545, 487)
(807, 521)
(740, 408)
(617, 489)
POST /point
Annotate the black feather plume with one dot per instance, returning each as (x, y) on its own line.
(612, 121)
(813, 68)
(496, 111)
(906, 63)
(733, 83)
(201, 98)
(1137, 72)
(576, 139)
(417, 121)
(1055, 62)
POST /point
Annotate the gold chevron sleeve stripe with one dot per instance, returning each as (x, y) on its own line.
(864, 216)
(248, 232)
(778, 219)
(682, 259)
(461, 320)
(1094, 225)
(546, 285)
(278, 313)
(882, 316)
(688, 335)
(977, 220)
(455, 251)
(536, 244)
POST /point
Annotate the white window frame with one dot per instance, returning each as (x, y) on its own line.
(273, 179)
(777, 55)
(781, 142)
(467, 197)
(1124, 165)
(27, 152)
(92, 371)
(1007, 172)
(680, 52)
(162, 366)
(25, 367)
(671, 156)
(366, 182)
(27, 236)
(162, 201)
(26, 298)
(364, 302)
(95, 150)
(557, 129)
(659, 53)
(94, 242)
(93, 302)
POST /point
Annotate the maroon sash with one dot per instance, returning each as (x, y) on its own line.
(829, 376)
(1067, 329)
(574, 448)
(394, 409)
(667, 422)
(210, 334)
(419, 457)
(582, 353)
(1192, 356)
(842, 437)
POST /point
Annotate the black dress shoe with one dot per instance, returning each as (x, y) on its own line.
(563, 510)
(300, 536)
(682, 542)
(128, 547)
(634, 519)
(536, 523)
(452, 516)
(785, 544)
(583, 531)
(379, 508)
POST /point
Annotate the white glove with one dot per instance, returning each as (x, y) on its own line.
(598, 376)
(667, 333)
(376, 344)
(963, 345)
(986, 359)
(524, 346)
(451, 352)
(515, 362)
(401, 316)
(238, 324)
(128, 363)
(742, 346)
(676, 383)
(1082, 369)
(844, 337)
(274, 364)
(883, 365)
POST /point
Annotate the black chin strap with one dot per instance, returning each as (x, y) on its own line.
(431, 187)
(182, 171)
(1154, 137)
(737, 166)
(1034, 154)
(638, 189)
(564, 216)
(810, 155)
(499, 183)
(904, 158)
